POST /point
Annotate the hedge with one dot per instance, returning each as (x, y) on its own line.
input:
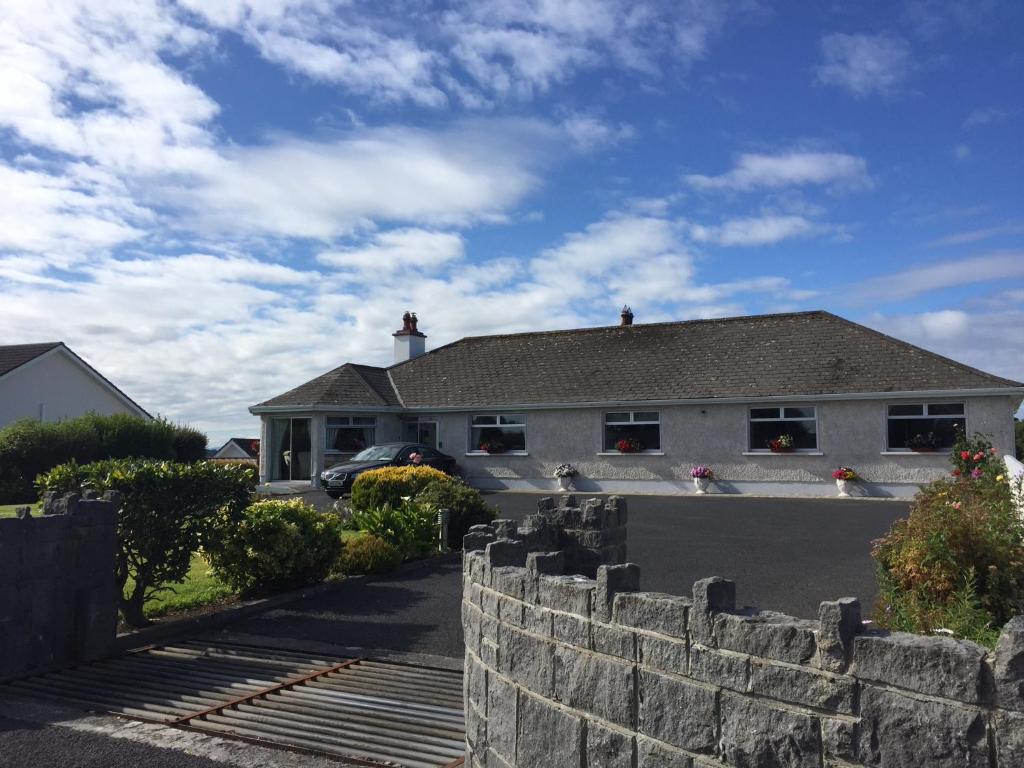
(29, 448)
(390, 485)
(170, 509)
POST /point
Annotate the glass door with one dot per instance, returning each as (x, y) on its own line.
(290, 449)
(420, 432)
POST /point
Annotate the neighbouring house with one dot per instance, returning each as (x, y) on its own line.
(634, 407)
(49, 382)
(239, 448)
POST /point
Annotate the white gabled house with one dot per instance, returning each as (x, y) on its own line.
(512, 407)
(49, 382)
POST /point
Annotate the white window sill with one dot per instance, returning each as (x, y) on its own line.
(783, 453)
(916, 453)
(633, 453)
(506, 453)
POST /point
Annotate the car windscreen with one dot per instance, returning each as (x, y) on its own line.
(377, 453)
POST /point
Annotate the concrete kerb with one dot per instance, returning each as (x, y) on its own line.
(215, 620)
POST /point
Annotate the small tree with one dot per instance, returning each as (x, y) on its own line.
(169, 508)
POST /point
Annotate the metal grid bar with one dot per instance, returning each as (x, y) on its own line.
(365, 711)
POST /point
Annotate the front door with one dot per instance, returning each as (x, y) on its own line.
(290, 449)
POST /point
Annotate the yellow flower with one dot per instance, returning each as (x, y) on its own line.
(999, 478)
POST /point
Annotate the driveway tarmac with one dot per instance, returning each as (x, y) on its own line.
(784, 554)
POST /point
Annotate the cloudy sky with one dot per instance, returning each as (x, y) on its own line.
(213, 201)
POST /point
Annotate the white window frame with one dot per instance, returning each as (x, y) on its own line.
(631, 422)
(924, 415)
(782, 410)
(346, 417)
(473, 448)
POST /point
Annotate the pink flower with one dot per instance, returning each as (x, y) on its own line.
(956, 505)
(979, 456)
(976, 473)
(993, 451)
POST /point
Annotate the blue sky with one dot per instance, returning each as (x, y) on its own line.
(215, 200)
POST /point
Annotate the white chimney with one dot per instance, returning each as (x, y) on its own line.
(409, 342)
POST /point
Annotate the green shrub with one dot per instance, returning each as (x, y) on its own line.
(467, 506)
(369, 554)
(170, 509)
(276, 544)
(410, 526)
(29, 448)
(390, 485)
(957, 561)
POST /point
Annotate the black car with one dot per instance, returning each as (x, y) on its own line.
(337, 480)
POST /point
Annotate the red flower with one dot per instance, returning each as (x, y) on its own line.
(956, 473)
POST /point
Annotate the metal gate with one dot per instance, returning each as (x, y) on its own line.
(366, 711)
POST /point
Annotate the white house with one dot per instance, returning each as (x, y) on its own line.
(49, 382)
(239, 448)
(511, 407)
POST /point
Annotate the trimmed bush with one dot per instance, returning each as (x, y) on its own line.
(369, 554)
(467, 506)
(28, 447)
(389, 485)
(957, 562)
(411, 526)
(276, 544)
(170, 509)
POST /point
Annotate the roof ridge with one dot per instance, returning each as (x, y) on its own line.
(930, 353)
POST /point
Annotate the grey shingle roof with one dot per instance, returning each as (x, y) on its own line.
(796, 354)
(349, 384)
(16, 355)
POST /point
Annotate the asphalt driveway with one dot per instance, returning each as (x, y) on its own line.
(784, 554)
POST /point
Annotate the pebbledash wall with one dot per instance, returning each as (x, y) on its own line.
(850, 433)
(568, 671)
(58, 597)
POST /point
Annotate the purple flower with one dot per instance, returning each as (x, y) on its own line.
(976, 473)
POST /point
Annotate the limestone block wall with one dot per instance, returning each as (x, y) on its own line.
(58, 598)
(566, 671)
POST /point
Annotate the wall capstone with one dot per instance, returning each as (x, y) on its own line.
(587, 671)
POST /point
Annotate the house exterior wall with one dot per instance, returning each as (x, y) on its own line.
(53, 387)
(850, 433)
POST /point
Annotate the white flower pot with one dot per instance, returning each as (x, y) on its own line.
(701, 483)
(564, 483)
(844, 487)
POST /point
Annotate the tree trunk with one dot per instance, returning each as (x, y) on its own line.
(131, 607)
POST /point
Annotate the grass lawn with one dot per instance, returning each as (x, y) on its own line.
(199, 588)
(7, 510)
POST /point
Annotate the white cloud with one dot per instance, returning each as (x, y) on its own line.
(590, 133)
(792, 168)
(400, 249)
(323, 189)
(755, 230)
(975, 235)
(961, 152)
(938, 275)
(986, 116)
(865, 65)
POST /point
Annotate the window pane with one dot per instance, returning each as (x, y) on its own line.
(648, 435)
(946, 409)
(938, 433)
(513, 438)
(798, 413)
(482, 420)
(349, 439)
(367, 421)
(645, 416)
(764, 413)
(906, 410)
(515, 418)
(338, 421)
(804, 434)
(616, 418)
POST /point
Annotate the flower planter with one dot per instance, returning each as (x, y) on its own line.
(701, 484)
(781, 450)
(564, 483)
(844, 487)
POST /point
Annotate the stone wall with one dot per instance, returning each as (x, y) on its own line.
(565, 671)
(58, 598)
